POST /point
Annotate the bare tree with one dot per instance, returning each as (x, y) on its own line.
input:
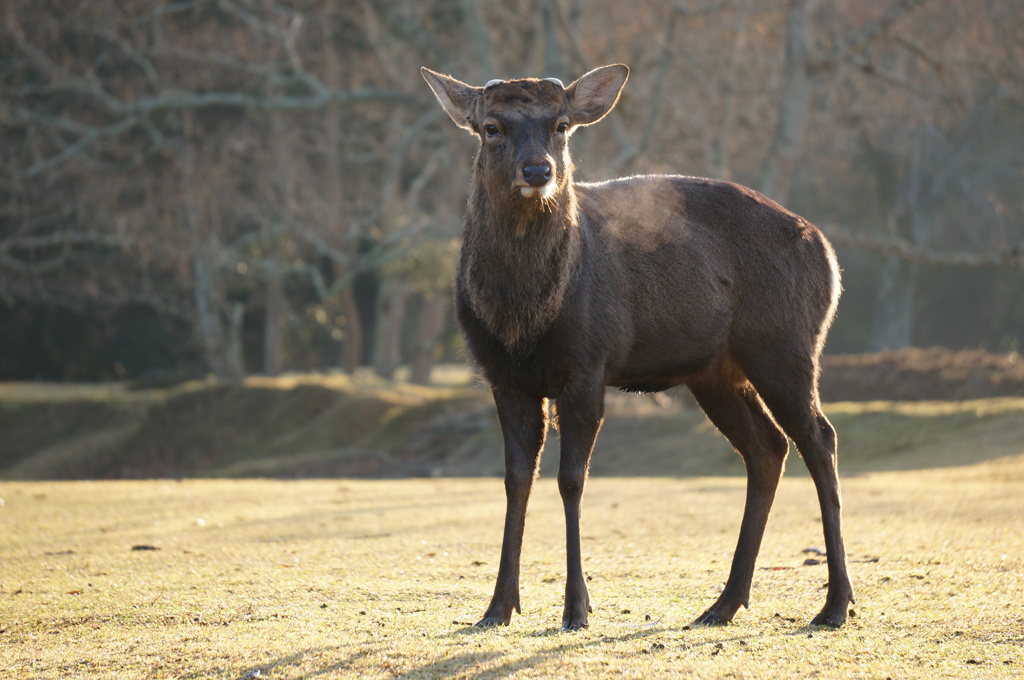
(152, 89)
(236, 165)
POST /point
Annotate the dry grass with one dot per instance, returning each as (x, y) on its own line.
(379, 579)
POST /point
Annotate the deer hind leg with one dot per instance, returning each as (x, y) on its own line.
(739, 414)
(791, 394)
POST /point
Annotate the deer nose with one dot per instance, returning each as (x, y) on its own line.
(537, 175)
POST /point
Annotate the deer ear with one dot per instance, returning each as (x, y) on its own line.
(458, 99)
(594, 94)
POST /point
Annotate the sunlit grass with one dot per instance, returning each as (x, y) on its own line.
(381, 579)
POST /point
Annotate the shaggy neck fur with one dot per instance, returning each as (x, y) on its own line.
(518, 258)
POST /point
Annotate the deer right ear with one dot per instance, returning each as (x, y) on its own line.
(458, 99)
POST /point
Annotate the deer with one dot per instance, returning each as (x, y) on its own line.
(642, 283)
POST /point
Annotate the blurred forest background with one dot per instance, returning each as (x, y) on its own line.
(240, 186)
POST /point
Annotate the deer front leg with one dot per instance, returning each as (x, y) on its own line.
(524, 426)
(579, 419)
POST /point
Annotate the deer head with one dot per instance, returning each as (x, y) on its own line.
(524, 127)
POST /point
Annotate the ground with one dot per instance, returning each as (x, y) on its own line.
(379, 578)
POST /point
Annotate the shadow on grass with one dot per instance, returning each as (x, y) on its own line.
(455, 665)
(463, 665)
(470, 665)
(280, 667)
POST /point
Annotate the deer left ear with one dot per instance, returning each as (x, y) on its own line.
(594, 94)
(458, 99)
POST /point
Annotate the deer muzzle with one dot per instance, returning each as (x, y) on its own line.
(536, 179)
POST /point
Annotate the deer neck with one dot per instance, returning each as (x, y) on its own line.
(517, 262)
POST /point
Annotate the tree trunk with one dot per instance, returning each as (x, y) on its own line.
(553, 67)
(223, 357)
(388, 334)
(480, 38)
(893, 320)
(352, 340)
(206, 313)
(430, 326)
(282, 185)
(274, 306)
(222, 346)
(787, 142)
(235, 356)
(718, 156)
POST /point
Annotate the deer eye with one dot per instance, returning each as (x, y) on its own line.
(492, 131)
(562, 128)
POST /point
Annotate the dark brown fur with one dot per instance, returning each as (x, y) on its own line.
(642, 283)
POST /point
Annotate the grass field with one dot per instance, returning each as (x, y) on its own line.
(382, 579)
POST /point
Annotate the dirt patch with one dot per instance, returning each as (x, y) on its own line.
(922, 375)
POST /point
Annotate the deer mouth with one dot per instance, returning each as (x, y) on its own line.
(542, 192)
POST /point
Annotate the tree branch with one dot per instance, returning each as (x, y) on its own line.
(857, 40)
(84, 142)
(905, 250)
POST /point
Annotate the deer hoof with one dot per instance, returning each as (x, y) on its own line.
(830, 619)
(711, 618)
(491, 622)
(572, 625)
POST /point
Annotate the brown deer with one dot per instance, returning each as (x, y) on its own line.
(641, 283)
